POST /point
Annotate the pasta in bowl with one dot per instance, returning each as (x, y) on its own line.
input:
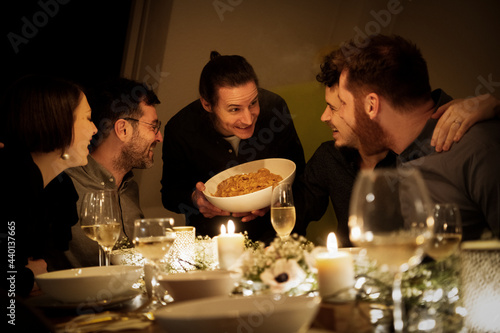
(276, 170)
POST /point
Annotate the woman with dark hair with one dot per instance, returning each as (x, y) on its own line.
(46, 128)
(233, 122)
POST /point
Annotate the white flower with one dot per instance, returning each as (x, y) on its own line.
(283, 275)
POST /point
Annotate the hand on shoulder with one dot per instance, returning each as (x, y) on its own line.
(457, 116)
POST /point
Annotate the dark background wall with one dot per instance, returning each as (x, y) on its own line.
(81, 40)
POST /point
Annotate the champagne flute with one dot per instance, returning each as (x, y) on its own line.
(282, 210)
(447, 231)
(153, 238)
(390, 218)
(100, 220)
(87, 220)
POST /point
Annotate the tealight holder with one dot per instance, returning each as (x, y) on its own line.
(183, 249)
(206, 253)
(481, 285)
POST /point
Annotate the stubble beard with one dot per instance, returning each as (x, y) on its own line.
(372, 139)
(135, 156)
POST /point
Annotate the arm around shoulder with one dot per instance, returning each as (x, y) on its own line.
(458, 116)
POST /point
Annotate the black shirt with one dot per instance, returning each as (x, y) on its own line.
(194, 151)
(330, 173)
(35, 220)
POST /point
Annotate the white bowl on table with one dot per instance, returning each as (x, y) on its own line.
(252, 201)
(198, 284)
(257, 314)
(89, 283)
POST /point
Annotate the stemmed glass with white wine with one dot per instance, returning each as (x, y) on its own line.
(390, 218)
(153, 238)
(282, 210)
(100, 220)
(447, 231)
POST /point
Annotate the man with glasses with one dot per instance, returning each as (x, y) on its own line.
(125, 114)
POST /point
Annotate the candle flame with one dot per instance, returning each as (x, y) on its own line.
(230, 227)
(222, 229)
(331, 242)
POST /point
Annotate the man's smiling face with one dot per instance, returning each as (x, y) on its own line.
(237, 110)
(342, 133)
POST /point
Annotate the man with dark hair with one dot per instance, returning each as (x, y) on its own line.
(386, 100)
(233, 122)
(125, 114)
(332, 170)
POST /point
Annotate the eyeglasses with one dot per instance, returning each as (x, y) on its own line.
(154, 127)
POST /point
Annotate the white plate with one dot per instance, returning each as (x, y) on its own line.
(45, 301)
(82, 284)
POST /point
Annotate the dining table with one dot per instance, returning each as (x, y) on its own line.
(57, 317)
(354, 310)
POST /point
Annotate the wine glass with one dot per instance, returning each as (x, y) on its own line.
(390, 218)
(447, 231)
(100, 220)
(282, 210)
(87, 221)
(153, 238)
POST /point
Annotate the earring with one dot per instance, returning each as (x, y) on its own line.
(65, 156)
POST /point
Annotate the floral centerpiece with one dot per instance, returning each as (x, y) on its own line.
(430, 290)
(285, 266)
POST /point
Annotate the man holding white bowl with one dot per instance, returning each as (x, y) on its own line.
(233, 122)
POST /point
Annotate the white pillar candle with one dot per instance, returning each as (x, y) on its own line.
(230, 246)
(335, 269)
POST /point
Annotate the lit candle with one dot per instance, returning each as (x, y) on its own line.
(230, 246)
(335, 269)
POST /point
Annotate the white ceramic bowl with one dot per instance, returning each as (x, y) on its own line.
(198, 284)
(257, 314)
(252, 201)
(89, 284)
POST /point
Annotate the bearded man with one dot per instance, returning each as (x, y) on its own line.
(386, 99)
(331, 171)
(125, 114)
